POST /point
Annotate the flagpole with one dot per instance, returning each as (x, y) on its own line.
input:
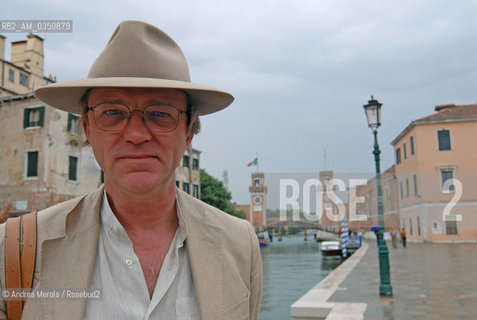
(257, 161)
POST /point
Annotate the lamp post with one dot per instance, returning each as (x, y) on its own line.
(373, 114)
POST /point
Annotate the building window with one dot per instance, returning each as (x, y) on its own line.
(443, 137)
(412, 144)
(400, 189)
(414, 177)
(186, 187)
(195, 163)
(410, 226)
(177, 183)
(407, 188)
(195, 191)
(11, 75)
(31, 167)
(73, 169)
(398, 155)
(73, 124)
(368, 206)
(387, 199)
(33, 117)
(404, 150)
(403, 223)
(418, 226)
(185, 161)
(102, 176)
(447, 174)
(23, 79)
(451, 227)
(257, 182)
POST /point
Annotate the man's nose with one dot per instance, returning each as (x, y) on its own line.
(136, 130)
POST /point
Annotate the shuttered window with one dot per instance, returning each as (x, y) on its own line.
(33, 117)
(73, 169)
(443, 136)
(32, 164)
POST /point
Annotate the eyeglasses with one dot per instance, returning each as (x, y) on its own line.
(114, 117)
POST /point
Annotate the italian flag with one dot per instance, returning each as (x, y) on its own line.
(253, 163)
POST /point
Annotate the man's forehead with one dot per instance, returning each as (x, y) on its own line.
(146, 94)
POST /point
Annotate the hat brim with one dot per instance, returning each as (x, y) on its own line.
(66, 95)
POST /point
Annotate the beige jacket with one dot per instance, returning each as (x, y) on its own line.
(223, 252)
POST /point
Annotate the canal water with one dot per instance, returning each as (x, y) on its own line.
(290, 268)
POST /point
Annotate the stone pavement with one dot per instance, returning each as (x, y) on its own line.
(429, 280)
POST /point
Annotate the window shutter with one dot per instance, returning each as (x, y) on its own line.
(42, 115)
(72, 175)
(32, 169)
(70, 119)
(26, 116)
(444, 139)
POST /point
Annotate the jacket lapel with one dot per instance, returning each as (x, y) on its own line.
(68, 253)
(206, 255)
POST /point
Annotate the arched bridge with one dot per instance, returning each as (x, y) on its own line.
(299, 223)
(322, 233)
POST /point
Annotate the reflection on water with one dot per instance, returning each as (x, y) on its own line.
(290, 268)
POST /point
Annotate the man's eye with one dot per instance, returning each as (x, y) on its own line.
(158, 115)
(113, 112)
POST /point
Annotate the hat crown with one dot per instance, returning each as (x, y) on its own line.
(138, 49)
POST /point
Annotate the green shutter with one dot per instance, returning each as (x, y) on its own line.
(32, 168)
(70, 118)
(73, 169)
(26, 120)
(42, 115)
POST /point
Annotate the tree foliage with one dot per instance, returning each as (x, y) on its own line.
(212, 191)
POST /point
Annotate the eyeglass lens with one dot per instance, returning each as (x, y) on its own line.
(114, 117)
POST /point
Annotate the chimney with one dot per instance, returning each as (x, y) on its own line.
(34, 55)
(444, 106)
(17, 54)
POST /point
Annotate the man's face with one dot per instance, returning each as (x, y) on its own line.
(137, 159)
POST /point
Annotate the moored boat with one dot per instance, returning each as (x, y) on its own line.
(261, 240)
(331, 248)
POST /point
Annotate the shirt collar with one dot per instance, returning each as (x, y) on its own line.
(112, 225)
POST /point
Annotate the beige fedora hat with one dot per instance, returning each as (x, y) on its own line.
(138, 55)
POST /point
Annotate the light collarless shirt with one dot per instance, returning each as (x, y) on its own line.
(119, 277)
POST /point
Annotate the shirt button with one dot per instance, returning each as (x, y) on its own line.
(129, 262)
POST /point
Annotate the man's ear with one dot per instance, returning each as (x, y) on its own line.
(85, 126)
(189, 140)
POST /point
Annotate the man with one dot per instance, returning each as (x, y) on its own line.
(152, 251)
(403, 237)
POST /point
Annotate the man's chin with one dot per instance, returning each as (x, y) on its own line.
(141, 182)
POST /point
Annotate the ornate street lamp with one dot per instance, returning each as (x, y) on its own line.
(373, 114)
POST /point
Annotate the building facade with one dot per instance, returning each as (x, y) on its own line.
(188, 172)
(24, 72)
(436, 173)
(43, 160)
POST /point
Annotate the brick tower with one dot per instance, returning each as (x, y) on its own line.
(258, 205)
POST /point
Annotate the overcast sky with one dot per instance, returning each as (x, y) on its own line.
(300, 71)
